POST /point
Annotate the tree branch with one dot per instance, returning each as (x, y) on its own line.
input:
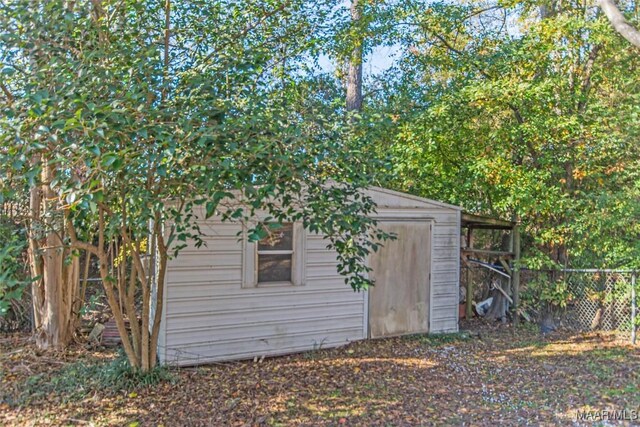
(354, 75)
(586, 80)
(6, 92)
(619, 23)
(74, 237)
(252, 26)
(167, 38)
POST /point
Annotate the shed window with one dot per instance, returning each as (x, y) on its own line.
(275, 255)
(276, 260)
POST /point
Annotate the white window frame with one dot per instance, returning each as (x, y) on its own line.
(298, 261)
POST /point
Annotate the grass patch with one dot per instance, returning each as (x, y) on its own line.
(535, 342)
(631, 390)
(440, 339)
(81, 378)
(610, 353)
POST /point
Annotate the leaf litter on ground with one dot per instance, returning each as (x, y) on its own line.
(486, 375)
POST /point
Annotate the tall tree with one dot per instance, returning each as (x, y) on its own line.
(354, 72)
(534, 118)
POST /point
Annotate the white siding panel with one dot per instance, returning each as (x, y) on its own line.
(185, 275)
(444, 326)
(207, 259)
(315, 256)
(324, 270)
(445, 292)
(445, 274)
(263, 330)
(212, 243)
(213, 321)
(315, 242)
(449, 266)
(445, 254)
(204, 352)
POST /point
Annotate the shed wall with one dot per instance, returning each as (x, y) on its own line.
(209, 316)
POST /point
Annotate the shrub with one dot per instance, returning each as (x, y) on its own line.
(84, 377)
(545, 295)
(14, 311)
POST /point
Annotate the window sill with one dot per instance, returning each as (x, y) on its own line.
(274, 284)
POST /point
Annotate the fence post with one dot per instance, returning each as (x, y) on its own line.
(634, 308)
(515, 280)
(469, 307)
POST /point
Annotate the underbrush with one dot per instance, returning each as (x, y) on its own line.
(86, 377)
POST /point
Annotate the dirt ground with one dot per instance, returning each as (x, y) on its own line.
(486, 376)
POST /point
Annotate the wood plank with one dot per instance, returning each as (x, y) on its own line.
(487, 252)
(479, 221)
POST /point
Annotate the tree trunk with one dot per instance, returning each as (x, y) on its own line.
(354, 75)
(162, 253)
(549, 10)
(596, 322)
(498, 308)
(137, 268)
(35, 260)
(55, 292)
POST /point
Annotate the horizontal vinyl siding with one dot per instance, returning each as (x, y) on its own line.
(317, 243)
(211, 317)
(204, 352)
(265, 330)
(445, 274)
(446, 253)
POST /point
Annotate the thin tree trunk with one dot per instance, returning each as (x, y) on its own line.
(139, 271)
(53, 310)
(146, 305)
(354, 74)
(131, 313)
(162, 254)
(107, 281)
(83, 285)
(35, 258)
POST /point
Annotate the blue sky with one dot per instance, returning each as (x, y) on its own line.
(378, 61)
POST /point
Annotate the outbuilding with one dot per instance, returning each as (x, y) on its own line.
(233, 299)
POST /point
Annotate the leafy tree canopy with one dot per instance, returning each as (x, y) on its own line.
(526, 109)
(139, 103)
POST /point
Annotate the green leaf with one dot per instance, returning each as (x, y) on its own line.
(211, 208)
(111, 159)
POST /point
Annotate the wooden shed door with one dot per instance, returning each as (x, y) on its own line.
(399, 301)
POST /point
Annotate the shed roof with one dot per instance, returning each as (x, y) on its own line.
(411, 197)
(478, 221)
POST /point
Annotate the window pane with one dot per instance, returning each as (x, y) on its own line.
(274, 268)
(280, 239)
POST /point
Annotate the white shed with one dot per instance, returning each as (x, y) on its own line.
(233, 299)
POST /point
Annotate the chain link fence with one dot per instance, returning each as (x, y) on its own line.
(604, 300)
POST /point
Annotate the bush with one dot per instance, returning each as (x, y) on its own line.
(14, 310)
(543, 295)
